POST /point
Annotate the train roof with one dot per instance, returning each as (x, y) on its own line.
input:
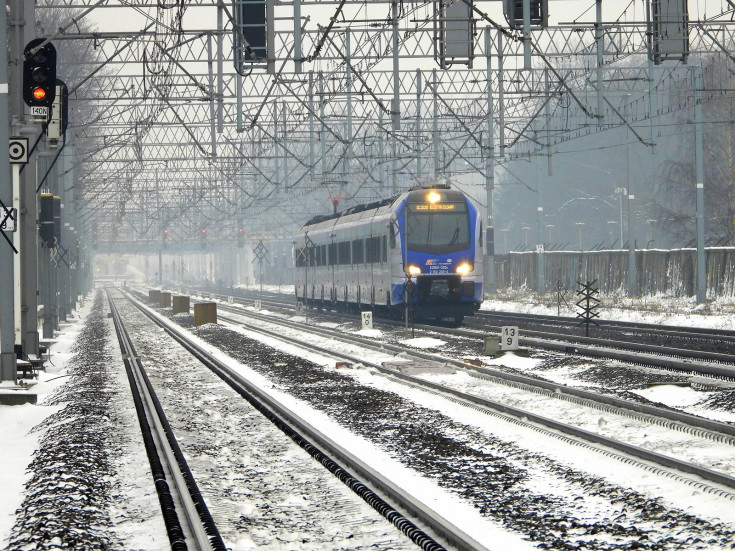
(318, 219)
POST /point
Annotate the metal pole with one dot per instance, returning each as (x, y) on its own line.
(501, 93)
(490, 284)
(396, 111)
(381, 151)
(600, 50)
(435, 124)
(22, 28)
(276, 149)
(541, 284)
(418, 126)
(212, 119)
(348, 147)
(311, 125)
(527, 35)
(270, 31)
(16, 258)
(322, 133)
(297, 36)
(238, 94)
(699, 157)
(220, 70)
(632, 272)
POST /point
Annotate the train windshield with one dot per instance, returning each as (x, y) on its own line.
(438, 229)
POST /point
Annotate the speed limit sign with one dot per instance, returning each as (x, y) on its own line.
(18, 150)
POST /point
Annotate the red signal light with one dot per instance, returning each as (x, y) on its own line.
(204, 231)
(240, 230)
(39, 93)
(165, 232)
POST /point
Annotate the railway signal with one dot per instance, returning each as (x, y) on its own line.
(240, 238)
(46, 220)
(513, 11)
(39, 74)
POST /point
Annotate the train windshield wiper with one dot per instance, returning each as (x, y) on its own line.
(455, 237)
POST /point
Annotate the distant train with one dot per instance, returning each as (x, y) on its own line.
(422, 248)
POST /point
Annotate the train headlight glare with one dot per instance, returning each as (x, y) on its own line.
(414, 270)
(464, 268)
(433, 197)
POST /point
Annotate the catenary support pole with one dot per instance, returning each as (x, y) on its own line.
(489, 272)
(297, 36)
(311, 127)
(599, 37)
(347, 160)
(22, 31)
(699, 159)
(418, 126)
(396, 107)
(435, 123)
(220, 70)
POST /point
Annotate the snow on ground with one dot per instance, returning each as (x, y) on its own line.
(17, 422)
(19, 442)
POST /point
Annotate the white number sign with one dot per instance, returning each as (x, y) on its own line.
(367, 320)
(509, 337)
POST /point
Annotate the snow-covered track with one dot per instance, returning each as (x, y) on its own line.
(658, 329)
(683, 360)
(186, 517)
(696, 426)
(333, 456)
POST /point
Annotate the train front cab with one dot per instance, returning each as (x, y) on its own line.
(441, 238)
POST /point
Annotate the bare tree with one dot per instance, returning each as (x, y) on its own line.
(674, 202)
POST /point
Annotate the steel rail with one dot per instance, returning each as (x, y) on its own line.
(187, 519)
(727, 431)
(673, 359)
(315, 442)
(615, 324)
(556, 389)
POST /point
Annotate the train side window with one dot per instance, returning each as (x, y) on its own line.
(358, 251)
(323, 254)
(332, 254)
(479, 237)
(373, 250)
(371, 253)
(385, 248)
(344, 253)
(392, 233)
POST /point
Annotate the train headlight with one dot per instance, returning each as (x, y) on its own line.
(433, 197)
(464, 268)
(414, 270)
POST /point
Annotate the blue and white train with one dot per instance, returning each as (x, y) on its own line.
(422, 247)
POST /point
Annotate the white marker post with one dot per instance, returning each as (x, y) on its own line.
(509, 337)
(367, 320)
(258, 305)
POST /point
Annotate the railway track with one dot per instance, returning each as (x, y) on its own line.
(675, 420)
(388, 498)
(717, 483)
(623, 349)
(188, 521)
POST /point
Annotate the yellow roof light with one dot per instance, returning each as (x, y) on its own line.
(433, 197)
